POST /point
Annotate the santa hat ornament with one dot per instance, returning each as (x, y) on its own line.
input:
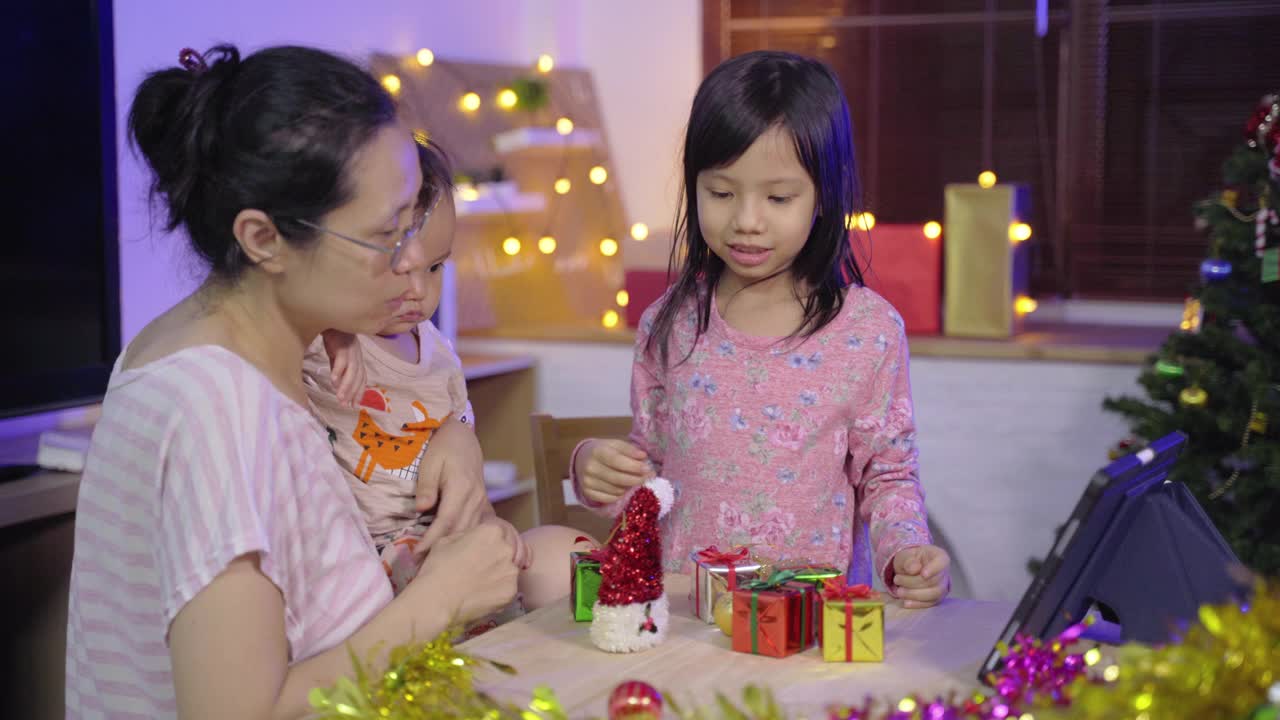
(631, 612)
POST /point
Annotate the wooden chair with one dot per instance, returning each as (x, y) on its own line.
(553, 442)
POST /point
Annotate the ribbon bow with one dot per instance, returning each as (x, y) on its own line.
(774, 581)
(597, 554)
(835, 589)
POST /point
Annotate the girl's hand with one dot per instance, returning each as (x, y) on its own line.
(607, 469)
(346, 365)
(920, 575)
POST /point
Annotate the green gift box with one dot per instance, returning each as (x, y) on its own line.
(584, 582)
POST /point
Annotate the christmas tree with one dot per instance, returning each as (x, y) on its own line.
(1217, 378)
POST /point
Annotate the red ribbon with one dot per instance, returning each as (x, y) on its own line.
(716, 556)
(597, 554)
(834, 590)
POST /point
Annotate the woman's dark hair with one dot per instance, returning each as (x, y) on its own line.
(437, 172)
(276, 131)
(738, 102)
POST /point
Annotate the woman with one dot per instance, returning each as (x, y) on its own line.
(221, 567)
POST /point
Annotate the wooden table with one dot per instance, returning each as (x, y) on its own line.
(932, 651)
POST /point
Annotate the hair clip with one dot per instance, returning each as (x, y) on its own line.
(192, 61)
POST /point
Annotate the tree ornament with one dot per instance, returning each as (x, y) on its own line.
(635, 700)
(1214, 270)
(1194, 397)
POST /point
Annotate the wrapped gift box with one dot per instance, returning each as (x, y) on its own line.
(986, 268)
(716, 572)
(906, 269)
(850, 622)
(773, 617)
(584, 582)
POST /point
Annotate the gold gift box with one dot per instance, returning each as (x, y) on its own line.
(987, 266)
(855, 634)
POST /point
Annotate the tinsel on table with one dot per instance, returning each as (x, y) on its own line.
(1226, 665)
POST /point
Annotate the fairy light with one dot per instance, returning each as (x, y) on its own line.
(391, 83)
(426, 57)
(545, 63)
(623, 298)
(598, 175)
(639, 232)
(511, 246)
(564, 126)
(933, 230)
(1024, 305)
(610, 319)
(987, 179)
(507, 98)
(563, 186)
(470, 102)
(608, 247)
(1019, 232)
(546, 245)
(468, 193)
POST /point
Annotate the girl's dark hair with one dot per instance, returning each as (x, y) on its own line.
(738, 102)
(437, 172)
(276, 131)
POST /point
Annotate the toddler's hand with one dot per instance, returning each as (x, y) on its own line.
(607, 469)
(346, 365)
(920, 575)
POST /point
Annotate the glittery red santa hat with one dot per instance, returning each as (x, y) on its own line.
(631, 612)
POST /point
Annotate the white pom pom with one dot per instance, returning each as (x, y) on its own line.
(620, 628)
(666, 494)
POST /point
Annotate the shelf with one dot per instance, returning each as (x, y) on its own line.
(45, 494)
(478, 367)
(495, 199)
(506, 492)
(544, 141)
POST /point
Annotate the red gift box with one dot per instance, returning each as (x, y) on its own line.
(775, 620)
(905, 268)
(644, 287)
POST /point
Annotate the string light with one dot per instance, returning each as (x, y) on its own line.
(507, 98)
(987, 179)
(598, 175)
(608, 247)
(563, 186)
(391, 83)
(545, 63)
(1024, 305)
(546, 245)
(623, 298)
(511, 246)
(1019, 232)
(426, 57)
(468, 193)
(610, 319)
(564, 126)
(469, 102)
(933, 230)
(639, 232)
(863, 221)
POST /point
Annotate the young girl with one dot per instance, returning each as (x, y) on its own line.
(769, 384)
(221, 567)
(406, 385)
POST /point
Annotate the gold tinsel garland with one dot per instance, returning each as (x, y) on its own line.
(1225, 666)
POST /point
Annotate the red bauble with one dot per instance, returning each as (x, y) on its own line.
(635, 700)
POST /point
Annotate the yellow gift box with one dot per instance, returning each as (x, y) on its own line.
(851, 623)
(987, 261)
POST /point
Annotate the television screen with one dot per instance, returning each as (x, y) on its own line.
(58, 280)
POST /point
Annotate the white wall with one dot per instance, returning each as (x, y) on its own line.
(645, 92)
(1005, 447)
